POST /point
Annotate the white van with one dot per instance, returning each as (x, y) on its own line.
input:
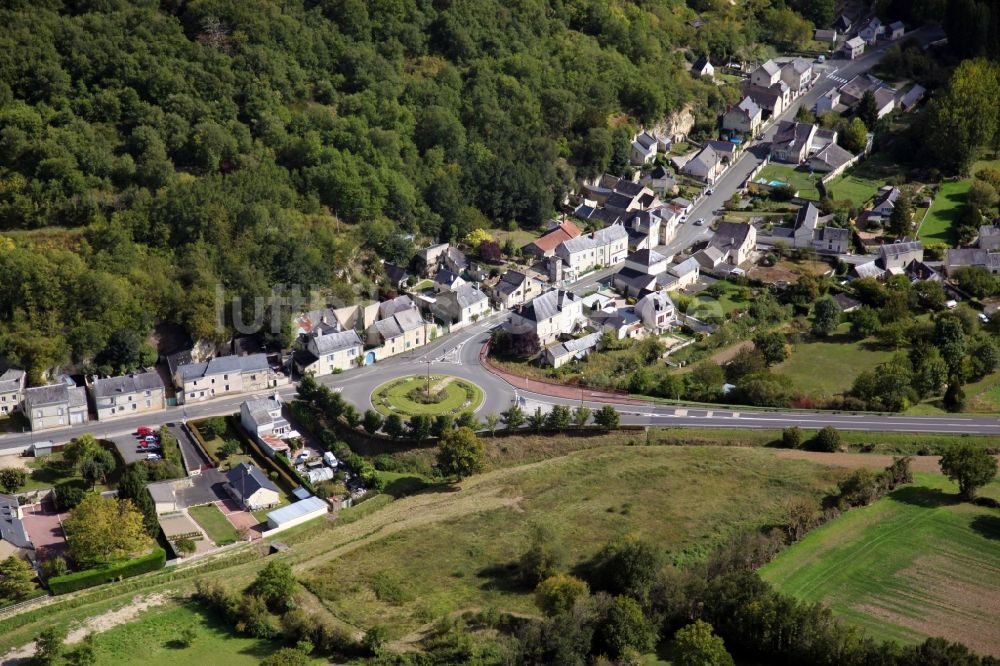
(330, 459)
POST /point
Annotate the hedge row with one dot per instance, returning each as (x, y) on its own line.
(195, 431)
(81, 580)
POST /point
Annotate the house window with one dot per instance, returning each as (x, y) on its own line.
(227, 387)
(134, 406)
(253, 377)
(60, 412)
(38, 413)
(225, 377)
(149, 404)
(149, 393)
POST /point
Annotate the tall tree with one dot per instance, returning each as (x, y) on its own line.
(102, 528)
(461, 453)
(901, 220)
(697, 645)
(972, 467)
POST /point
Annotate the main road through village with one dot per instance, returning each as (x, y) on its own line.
(458, 353)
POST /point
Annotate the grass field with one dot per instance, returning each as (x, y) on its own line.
(393, 397)
(938, 227)
(857, 189)
(449, 549)
(800, 180)
(917, 563)
(219, 530)
(152, 640)
(827, 367)
(981, 397)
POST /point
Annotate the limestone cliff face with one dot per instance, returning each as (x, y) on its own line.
(677, 123)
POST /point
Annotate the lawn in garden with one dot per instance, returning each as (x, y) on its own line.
(801, 181)
(218, 528)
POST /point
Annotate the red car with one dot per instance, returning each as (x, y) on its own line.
(144, 430)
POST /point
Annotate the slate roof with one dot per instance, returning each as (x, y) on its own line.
(846, 302)
(260, 411)
(575, 346)
(886, 196)
(610, 234)
(395, 274)
(833, 155)
(645, 257)
(896, 25)
(456, 256)
(687, 266)
(547, 305)
(749, 107)
(579, 244)
(399, 323)
(394, 305)
(510, 281)
(854, 42)
(445, 277)
(825, 35)
(700, 63)
(896, 250)
(912, 96)
(833, 234)
(112, 386)
(11, 380)
(972, 257)
(11, 528)
(245, 480)
(334, 342)
(174, 361)
(800, 65)
(224, 365)
(842, 23)
(50, 394)
(467, 295)
(807, 217)
(628, 188)
(730, 235)
(708, 158)
(884, 97)
(771, 67)
(791, 135)
(618, 200)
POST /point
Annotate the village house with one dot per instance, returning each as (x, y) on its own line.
(831, 159)
(744, 118)
(328, 353)
(912, 96)
(826, 36)
(560, 354)
(853, 48)
(395, 276)
(956, 259)
(462, 306)
(514, 288)
(703, 68)
(547, 244)
(827, 102)
(628, 196)
(643, 149)
(661, 181)
(429, 258)
(251, 488)
(792, 142)
(444, 280)
(639, 272)
(885, 101)
(989, 239)
(12, 383)
(852, 91)
(548, 316)
(393, 335)
(807, 233)
(895, 31)
(680, 275)
(55, 405)
(128, 395)
(707, 165)
(454, 260)
(622, 323)
(224, 375)
(766, 75)
(261, 417)
(610, 245)
(736, 241)
(884, 204)
(797, 74)
(895, 257)
(14, 539)
(656, 311)
(871, 31)
(843, 23)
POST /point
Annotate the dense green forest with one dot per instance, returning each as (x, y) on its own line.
(149, 151)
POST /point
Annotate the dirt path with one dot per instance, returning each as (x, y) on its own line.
(856, 460)
(94, 625)
(16, 462)
(726, 355)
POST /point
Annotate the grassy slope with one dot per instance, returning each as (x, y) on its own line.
(829, 366)
(914, 564)
(941, 218)
(219, 530)
(453, 547)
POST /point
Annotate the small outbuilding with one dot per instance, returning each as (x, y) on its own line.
(297, 513)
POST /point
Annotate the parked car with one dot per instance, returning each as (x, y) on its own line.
(152, 456)
(709, 191)
(700, 222)
(144, 431)
(301, 458)
(151, 439)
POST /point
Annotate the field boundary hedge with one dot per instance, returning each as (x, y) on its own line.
(81, 580)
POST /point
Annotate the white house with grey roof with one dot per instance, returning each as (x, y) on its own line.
(262, 418)
(656, 310)
(798, 74)
(223, 375)
(461, 306)
(956, 259)
(128, 395)
(514, 288)
(554, 313)
(707, 165)
(55, 405)
(393, 335)
(330, 352)
(251, 488)
(766, 75)
(894, 257)
(12, 383)
(571, 350)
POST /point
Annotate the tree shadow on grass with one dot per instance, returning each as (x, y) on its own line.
(930, 498)
(504, 577)
(987, 526)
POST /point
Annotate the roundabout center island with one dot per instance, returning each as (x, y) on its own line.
(432, 395)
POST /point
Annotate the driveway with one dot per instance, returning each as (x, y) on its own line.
(194, 456)
(206, 488)
(44, 526)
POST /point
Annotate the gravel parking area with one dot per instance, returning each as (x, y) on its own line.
(128, 448)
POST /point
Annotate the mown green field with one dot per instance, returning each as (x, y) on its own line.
(152, 640)
(801, 181)
(218, 528)
(455, 392)
(456, 552)
(914, 564)
(855, 188)
(938, 226)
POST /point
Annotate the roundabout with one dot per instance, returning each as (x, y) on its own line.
(431, 395)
